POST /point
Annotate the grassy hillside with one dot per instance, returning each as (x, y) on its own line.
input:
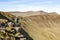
(6, 15)
(39, 25)
(42, 27)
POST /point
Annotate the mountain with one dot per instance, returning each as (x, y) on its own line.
(42, 26)
(30, 13)
(39, 25)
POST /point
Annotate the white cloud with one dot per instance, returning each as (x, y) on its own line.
(16, 6)
(31, 8)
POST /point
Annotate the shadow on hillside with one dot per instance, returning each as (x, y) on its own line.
(25, 34)
(3, 17)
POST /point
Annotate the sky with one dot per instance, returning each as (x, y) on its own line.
(30, 5)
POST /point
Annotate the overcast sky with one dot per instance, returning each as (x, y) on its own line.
(30, 5)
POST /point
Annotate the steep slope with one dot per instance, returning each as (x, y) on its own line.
(42, 27)
(6, 15)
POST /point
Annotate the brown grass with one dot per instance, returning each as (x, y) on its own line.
(42, 27)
